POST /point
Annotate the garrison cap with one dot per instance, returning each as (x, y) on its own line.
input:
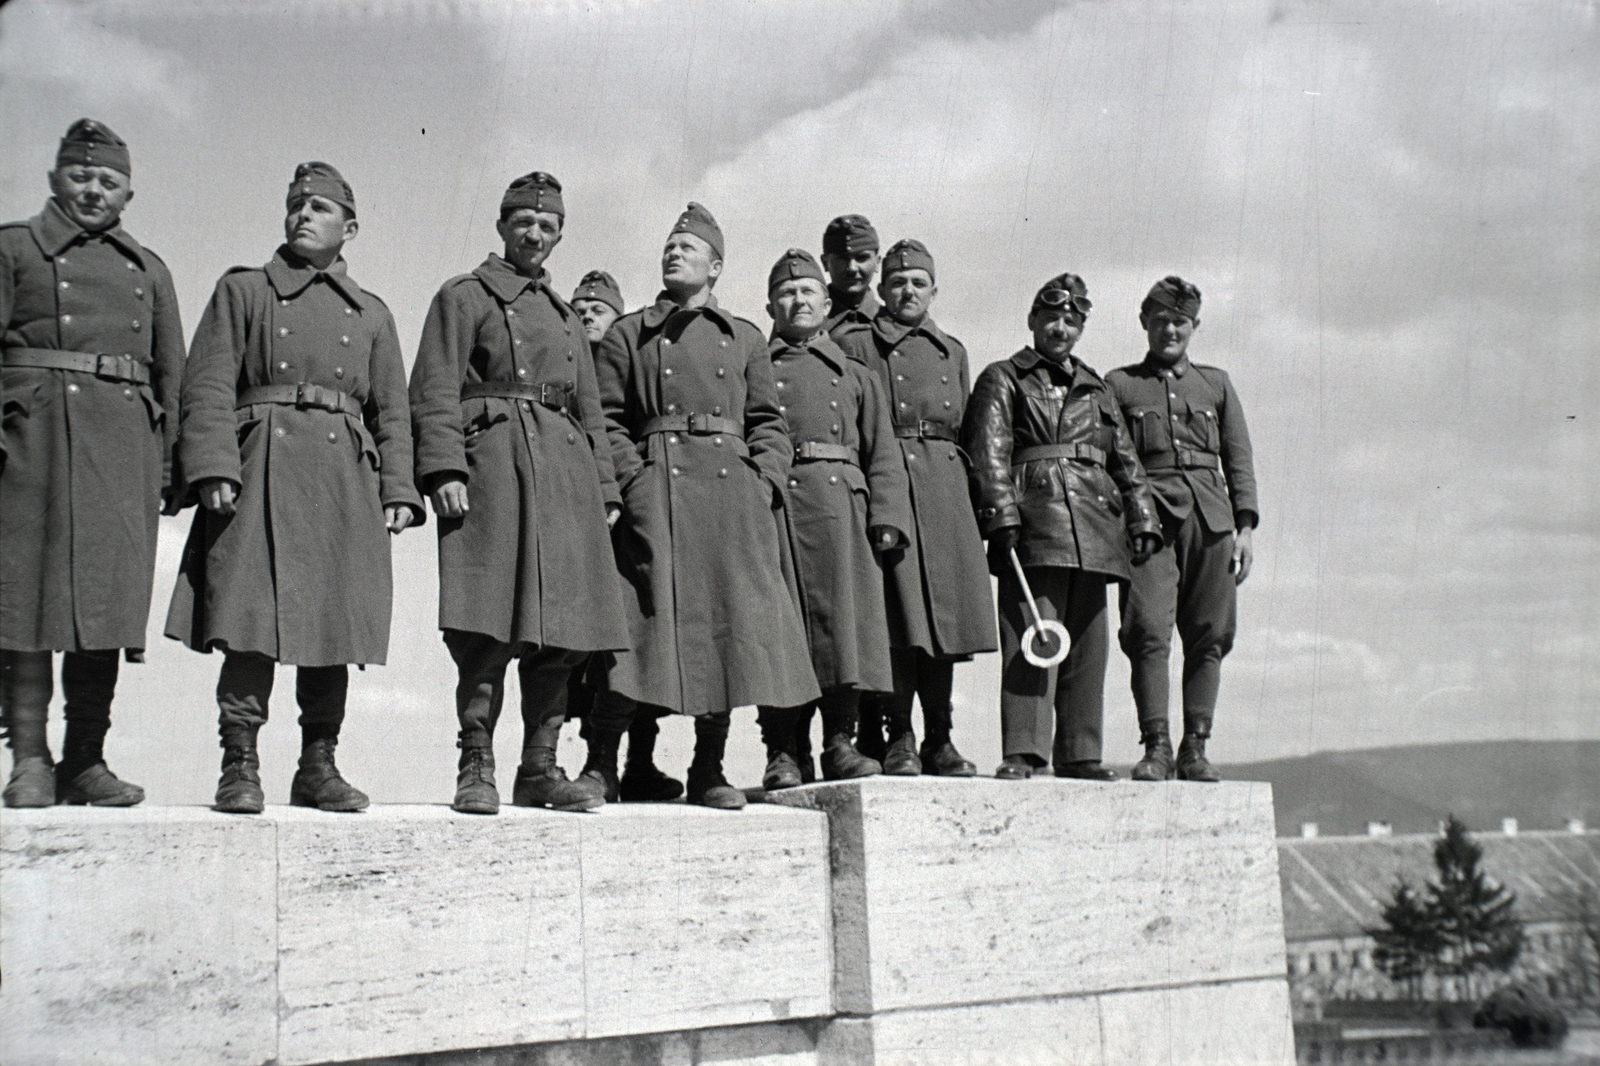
(1064, 290)
(1174, 294)
(697, 220)
(849, 234)
(92, 143)
(907, 255)
(598, 285)
(795, 263)
(537, 190)
(320, 179)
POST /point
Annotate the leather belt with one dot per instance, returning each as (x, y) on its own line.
(1097, 456)
(816, 449)
(924, 430)
(108, 367)
(696, 425)
(555, 397)
(304, 394)
(1182, 458)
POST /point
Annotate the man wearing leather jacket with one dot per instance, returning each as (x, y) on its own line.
(1055, 477)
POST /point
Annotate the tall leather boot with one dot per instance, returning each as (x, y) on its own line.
(601, 766)
(643, 781)
(1157, 764)
(840, 759)
(239, 789)
(25, 688)
(542, 783)
(475, 789)
(939, 755)
(706, 786)
(780, 734)
(1192, 762)
(318, 783)
(88, 681)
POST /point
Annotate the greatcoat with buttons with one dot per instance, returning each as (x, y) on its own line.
(829, 399)
(938, 588)
(88, 455)
(711, 621)
(1075, 510)
(531, 561)
(300, 572)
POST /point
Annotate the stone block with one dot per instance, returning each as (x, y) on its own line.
(137, 936)
(416, 929)
(1242, 1023)
(695, 918)
(948, 891)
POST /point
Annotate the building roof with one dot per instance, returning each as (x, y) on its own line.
(1337, 886)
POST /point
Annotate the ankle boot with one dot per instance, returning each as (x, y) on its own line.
(239, 789)
(901, 759)
(601, 766)
(318, 783)
(1157, 764)
(782, 772)
(841, 760)
(542, 783)
(25, 689)
(706, 785)
(475, 791)
(643, 781)
(83, 778)
(1192, 762)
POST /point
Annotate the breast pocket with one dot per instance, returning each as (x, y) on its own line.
(1203, 427)
(1149, 429)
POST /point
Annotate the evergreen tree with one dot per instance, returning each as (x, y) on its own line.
(1408, 945)
(1473, 918)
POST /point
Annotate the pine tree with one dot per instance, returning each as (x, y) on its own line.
(1407, 945)
(1473, 918)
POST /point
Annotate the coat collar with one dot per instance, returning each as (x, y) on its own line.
(503, 280)
(54, 232)
(1180, 368)
(665, 307)
(822, 346)
(893, 332)
(290, 275)
(1080, 372)
(864, 312)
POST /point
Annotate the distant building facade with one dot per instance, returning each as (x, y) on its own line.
(1335, 889)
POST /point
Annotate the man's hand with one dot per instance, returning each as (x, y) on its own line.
(171, 501)
(1244, 553)
(397, 517)
(884, 538)
(450, 499)
(217, 494)
(613, 512)
(1144, 546)
(1004, 539)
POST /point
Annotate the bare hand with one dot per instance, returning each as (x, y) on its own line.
(884, 538)
(1244, 553)
(217, 494)
(613, 512)
(397, 518)
(1144, 546)
(450, 499)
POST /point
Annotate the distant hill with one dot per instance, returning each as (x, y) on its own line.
(1539, 783)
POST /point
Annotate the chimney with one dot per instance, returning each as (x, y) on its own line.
(1508, 826)
(1308, 830)
(1379, 829)
(1575, 825)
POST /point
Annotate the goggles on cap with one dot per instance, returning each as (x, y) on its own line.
(1063, 298)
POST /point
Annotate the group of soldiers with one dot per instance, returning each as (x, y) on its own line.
(656, 512)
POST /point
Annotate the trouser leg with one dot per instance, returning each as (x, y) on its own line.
(840, 708)
(26, 685)
(88, 681)
(707, 786)
(1207, 612)
(935, 683)
(610, 716)
(321, 692)
(1149, 606)
(244, 688)
(803, 751)
(869, 727)
(1080, 688)
(779, 729)
(481, 663)
(544, 674)
(1027, 692)
(896, 706)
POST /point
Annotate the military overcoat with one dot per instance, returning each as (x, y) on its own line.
(831, 402)
(846, 320)
(701, 454)
(938, 588)
(1051, 455)
(300, 572)
(531, 560)
(89, 452)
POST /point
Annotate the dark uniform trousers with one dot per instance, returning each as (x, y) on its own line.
(88, 681)
(1186, 583)
(244, 686)
(788, 729)
(481, 663)
(1067, 699)
(616, 713)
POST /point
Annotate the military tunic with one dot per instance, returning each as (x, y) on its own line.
(89, 453)
(938, 589)
(846, 320)
(300, 572)
(832, 403)
(711, 622)
(530, 562)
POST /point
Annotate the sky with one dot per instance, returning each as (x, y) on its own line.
(1391, 210)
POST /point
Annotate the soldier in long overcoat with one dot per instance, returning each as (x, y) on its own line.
(850, 254)
(1188, 425)
(512, 450)
(93, 360)
(598, 302)
(296, 442)
(940, 607)
(848, 500)
(1055, 477)
(702, 454)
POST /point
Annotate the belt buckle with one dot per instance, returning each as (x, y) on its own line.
(110, 367)
(308, 395)
(697, 424)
